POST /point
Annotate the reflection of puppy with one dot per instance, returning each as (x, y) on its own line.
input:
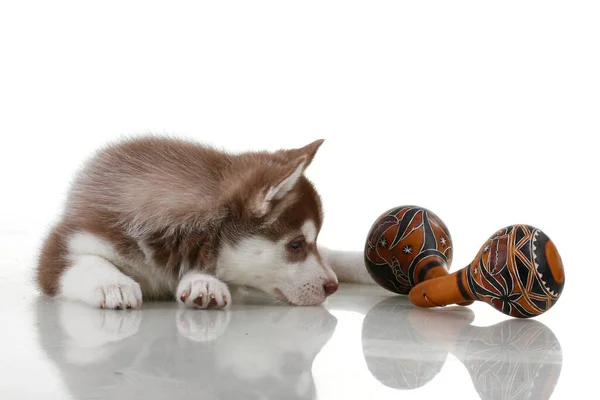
(275, 348)
(201, 326)
(88, 335)
(262, 352)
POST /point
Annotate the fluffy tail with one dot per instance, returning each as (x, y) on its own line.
(349, 266)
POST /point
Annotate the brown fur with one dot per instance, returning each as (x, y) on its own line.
(181, 199)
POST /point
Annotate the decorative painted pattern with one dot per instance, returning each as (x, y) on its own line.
(405, 246)
(518, 271)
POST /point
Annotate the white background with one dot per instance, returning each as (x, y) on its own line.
(487, 113)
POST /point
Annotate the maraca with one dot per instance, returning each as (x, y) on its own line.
(405, 246)
(518, 271)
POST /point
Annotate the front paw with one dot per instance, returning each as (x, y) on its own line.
(202, 291)
(119, 295)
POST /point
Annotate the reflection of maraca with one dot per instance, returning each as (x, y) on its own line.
(406, 347)
(518, 271)
(514, 359)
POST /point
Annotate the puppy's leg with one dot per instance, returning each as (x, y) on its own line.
(349, 266)
(99, 283)
(200, 290)
(74, 265)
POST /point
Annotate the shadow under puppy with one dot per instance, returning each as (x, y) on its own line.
(158, 218)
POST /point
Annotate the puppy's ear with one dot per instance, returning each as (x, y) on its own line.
(278, 186)
(309, 151)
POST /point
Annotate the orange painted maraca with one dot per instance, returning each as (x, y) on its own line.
(518, 271)
(407, 245)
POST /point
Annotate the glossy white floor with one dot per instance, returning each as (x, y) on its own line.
(485, 113)
(363, 342)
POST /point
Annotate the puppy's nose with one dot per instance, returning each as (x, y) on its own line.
(330, 288)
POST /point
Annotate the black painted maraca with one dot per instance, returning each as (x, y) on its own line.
(407, 245)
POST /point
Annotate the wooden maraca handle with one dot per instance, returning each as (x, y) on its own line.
(442, 291)
(435, 274)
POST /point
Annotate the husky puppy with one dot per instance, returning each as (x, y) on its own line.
(156, 218)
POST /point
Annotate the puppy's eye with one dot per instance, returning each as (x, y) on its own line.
(296, 244)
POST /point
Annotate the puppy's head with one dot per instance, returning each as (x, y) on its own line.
(275, 246)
